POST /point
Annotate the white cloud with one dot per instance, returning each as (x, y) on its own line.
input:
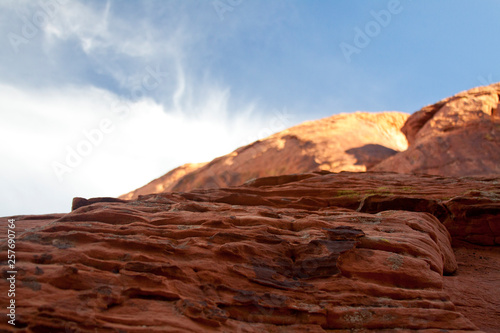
(38, 127)
(186, 117)
(76, 20)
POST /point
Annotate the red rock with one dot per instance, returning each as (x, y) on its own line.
(458, 136)
(325, 144)
(299, 249)
(475, 289)
(474, 218)
(29, 222)
(278, 254)
(80, 202)
(474, 105)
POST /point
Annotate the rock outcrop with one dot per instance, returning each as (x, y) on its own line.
(300, 253)
(478, 271)
(458, 136)
(345, 142)
(295, 248)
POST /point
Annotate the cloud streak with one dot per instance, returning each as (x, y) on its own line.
(136, 78)
(144, 143)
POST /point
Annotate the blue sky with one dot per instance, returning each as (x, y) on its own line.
(100, 97)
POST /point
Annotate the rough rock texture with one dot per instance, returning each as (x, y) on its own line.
(458, 136)
(29, 222)
(469, 207)
(475, 290)
(345, 142)
(297, 253)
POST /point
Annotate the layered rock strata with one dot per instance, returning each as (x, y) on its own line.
(297, 253)
(458, 136)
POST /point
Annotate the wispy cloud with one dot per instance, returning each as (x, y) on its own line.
(145, 143)
(99, 63)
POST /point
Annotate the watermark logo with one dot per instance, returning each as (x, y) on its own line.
(279, 122)
(363, 37)
(32, 25)
(11, 279)
(222, 7)
(94, 137)
(84, 147)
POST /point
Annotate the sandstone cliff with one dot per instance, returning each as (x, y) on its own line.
(458, 136)
(345, 142)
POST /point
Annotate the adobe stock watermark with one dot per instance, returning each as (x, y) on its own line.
(364, 36)
(94, 137)
(223, 6)
(280, 121)
(46, 10)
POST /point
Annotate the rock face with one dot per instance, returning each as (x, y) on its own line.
(290, 250)
(345, 142)
(297, 253)
(479, 270)
(458, 136)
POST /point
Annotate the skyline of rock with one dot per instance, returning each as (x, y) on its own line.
(440, 139)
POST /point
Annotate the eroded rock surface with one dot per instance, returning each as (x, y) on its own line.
(297, 253)
(475, 290)
(345, 142)
(468, 206)
(458, 136)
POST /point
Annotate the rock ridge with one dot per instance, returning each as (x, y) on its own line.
(310, 146)
(457, 136)
(294, 253)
